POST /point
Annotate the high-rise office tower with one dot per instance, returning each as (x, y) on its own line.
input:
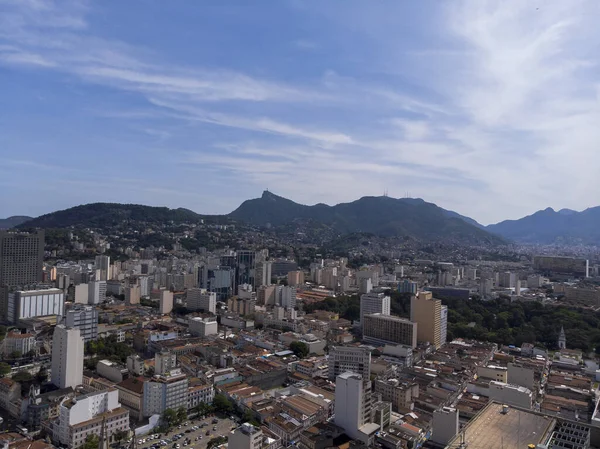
(427, 313)
(97, 292)
(246, 268)
(165, 305)
(132, 294)
(263, 273)
(349, 358)
(374, 303)
(200, 299)
(444, 325)
(67, 357)
(21, 262)
(102, 266)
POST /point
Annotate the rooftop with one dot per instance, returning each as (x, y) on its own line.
(492, 429)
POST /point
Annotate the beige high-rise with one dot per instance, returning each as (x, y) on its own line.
(427, 313)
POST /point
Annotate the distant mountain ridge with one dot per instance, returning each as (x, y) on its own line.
(549, 226)
(382, 215)
(11, 222)
(110, 214)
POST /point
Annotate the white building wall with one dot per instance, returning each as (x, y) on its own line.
(374, 303)
(445, 425)
(35, 303)
(349, 403)
(82, 294)
(510, 394)
(67, 357)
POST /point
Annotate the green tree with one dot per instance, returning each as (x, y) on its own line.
(249, 418)
(120, 435)
(22, 376)
(42, 375)
(181, 414)
(300, 349)
(15, 355)
(4, 369)
(222, 404)
(169, 417)
(214, 442)
(91, 442)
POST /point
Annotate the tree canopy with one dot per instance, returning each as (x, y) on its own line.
(300, 349)
(109, 348)
(499, 320)
(222, 404)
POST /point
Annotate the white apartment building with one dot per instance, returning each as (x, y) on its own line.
(84, 415)
(444, 325)
(85, 318)
(67, 357)
(164, 392)
(288, 297)
(16, 342)
(164, 362)
(352, 407)
(133, 294)
(200, 394)
(34, 303)
(201, 299)
(96, 292)
(348, 358)
(246, 436)
(165, 302)
(445, 425)
(374, 303)
(203, 327)
(135, 365)
(82, 292)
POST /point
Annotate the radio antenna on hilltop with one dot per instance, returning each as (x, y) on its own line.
(385, 192)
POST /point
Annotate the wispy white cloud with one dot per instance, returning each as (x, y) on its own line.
(490, 119)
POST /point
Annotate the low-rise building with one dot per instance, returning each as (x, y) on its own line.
(111, 370)
(131, 396)
(165, 391)
(200, 393)
(15, 342)
(202, 327)
(90, 414)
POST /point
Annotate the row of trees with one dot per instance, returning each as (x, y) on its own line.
(220, 404)
(109, 348)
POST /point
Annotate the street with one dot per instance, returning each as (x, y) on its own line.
(223, 428)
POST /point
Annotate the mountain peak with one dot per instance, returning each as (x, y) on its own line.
(266, 195)
(567, 212)
(381, 215)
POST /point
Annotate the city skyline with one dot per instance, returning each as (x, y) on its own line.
(468, 105)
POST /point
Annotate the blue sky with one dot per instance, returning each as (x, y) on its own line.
(489, 108)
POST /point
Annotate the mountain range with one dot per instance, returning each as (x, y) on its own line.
(549, 227)
(384, 216)
(11, 222)
(380, 215)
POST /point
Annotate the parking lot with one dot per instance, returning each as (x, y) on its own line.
(191, 435)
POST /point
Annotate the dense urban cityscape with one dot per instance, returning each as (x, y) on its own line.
(280, 343)
(299, 224)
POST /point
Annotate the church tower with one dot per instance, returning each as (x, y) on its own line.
(562, 339)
